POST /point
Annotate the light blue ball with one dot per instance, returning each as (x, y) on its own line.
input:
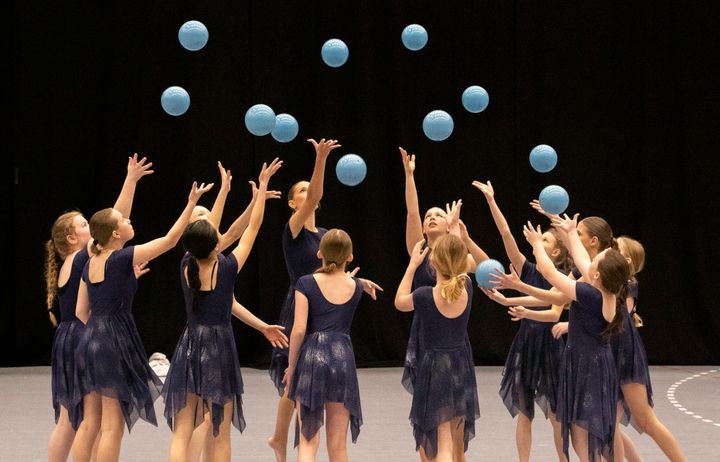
(260, 119)
(351, 170)
(543, 158)
(175, 101)
(193, 35)
(484, 270)
(414, 37)
(334, 52)
(554, 199)
(438, 125)
(286, 128)
(475, 99)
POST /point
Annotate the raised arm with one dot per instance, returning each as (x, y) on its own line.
(403, 297)
(580, 256)
(413, 222)
(297, 336)
(511, 248)
(241, 223)
(157, 247)
(135, 170)
(273, 333)
(247, 240)
(546, 267)
(219, 205)
(477, 254)
(315, 189)
(82, 306)
(498, 297)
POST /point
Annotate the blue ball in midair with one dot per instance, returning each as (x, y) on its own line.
(351, 170)
(175, 101)
(414, 37)
(193, 35)
(260, 119)
(484, 270)
(475, 99)
(286, 128)
(438, 125)
(543, 158)
(554, 199)
(334, 52)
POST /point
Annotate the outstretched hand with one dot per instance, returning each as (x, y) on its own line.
(324, 147)
(268, 194)
(486, 189)
(274, 334)
(506, 281)
(408, 161)
(517, 312)
(452, 213)
(495, 296)
(225, 178)
(196, 192)
(533, 235)
(536, 205)
(418, 254)
(565, 223)
(268, 171)
(140, 269)
(137, 169)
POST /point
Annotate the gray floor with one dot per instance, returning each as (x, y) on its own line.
(687, 400)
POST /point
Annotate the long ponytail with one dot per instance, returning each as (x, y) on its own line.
(55, 248)
(614, 277)
(193, 278)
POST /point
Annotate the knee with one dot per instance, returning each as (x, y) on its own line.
(336, 447)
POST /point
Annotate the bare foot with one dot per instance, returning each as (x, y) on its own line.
(279, 449)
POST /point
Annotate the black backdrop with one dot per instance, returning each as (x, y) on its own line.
(625, 92)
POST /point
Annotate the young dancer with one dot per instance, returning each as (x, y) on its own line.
(301, 241)
(68, 245)
(632, 367)
(587, 392)
(531, 370)
(204, 375)
(113, 379)
(445, 403)
(321, 373)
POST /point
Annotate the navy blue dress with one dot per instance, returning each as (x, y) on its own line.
(67, 337)
(630, 357)
(587, 393)
(325, 371)
(424, 277)
(533, 362)
(300, 259)
(445, 386)
(110, 357)
(205, 362)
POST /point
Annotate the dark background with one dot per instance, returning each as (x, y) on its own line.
(624, 91)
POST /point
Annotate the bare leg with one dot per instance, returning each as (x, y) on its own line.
(557, 436)
(631, 452)
(183, 423)
(112, 428)
(221, 443)
(636, 398)
(198, 440)
(445, 443)
(307, 449)
(278, 441)
(423, 456)
(94, 457)
(457, 429)
(82, 447)
(336, 428)
(579, 438)
(523, 437)
(618, 442)
(61, 438)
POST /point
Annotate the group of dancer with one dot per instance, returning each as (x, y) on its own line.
(584, 385)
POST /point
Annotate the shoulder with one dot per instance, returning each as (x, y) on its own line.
(586, 294)
(122, 257)
(227, 261)
(305, 283)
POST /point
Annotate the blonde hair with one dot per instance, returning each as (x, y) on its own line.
(336, 247)
(449, 259)
(102, 226)
(57, 247)
(635, 251)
